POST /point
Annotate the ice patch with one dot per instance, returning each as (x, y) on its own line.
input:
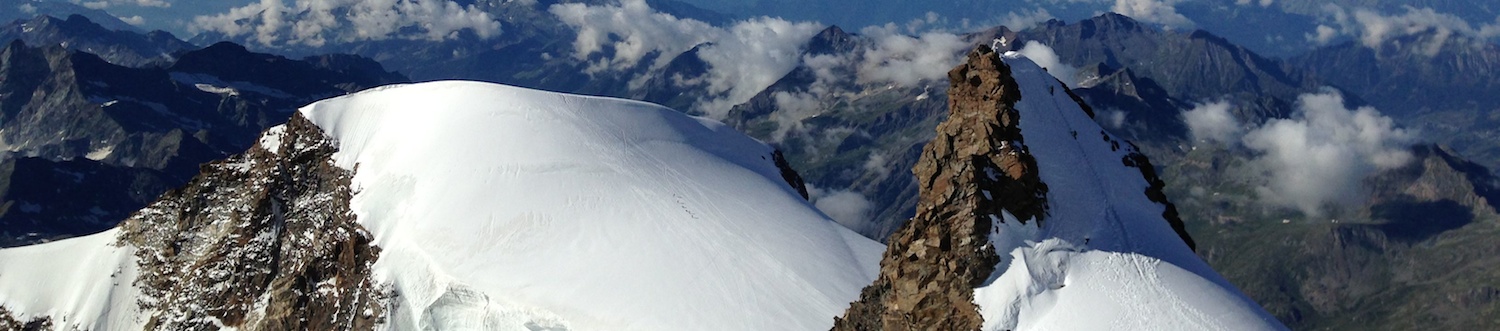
(90, 289)
(217, 90)
(101, 153)
(212, 84)
(271, 140)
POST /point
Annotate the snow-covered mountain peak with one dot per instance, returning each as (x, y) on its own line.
(464, 205)
(1112, 240)
(1033, 217)
(501, 208)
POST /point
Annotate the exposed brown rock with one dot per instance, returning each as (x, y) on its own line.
(262, 241)
(9, 322)
(935, 260)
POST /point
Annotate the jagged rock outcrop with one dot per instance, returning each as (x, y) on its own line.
(977, 166)
(8, 321)
(262, 241)
(788, 174)
(1156, 192)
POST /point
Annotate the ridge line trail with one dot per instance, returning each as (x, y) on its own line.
(1147, 282)
(1107, 213)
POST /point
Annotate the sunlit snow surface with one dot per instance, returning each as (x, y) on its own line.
(1105, 258)
(81, 283)
(503, 208)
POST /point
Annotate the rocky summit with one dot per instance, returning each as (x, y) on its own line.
(262, 241)
(933, 263)
(979, 166)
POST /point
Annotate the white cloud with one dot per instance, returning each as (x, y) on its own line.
(101, 4)
(1212, 122)
(829, 71)
(923, 23)
(795, 102)
(27, 8)
(1262, 3)
(1047, 59)
(848, 208)
(1319, 156)
(792, 109)
(1161, 12)
(907, 60)
(750, 58)
(743, 59)
(826, 70)
(1322, 35)
(1114, 118)
(747, 56)
(1025, 19)
(136, 20)
(633, 30)
(878, 163)
(889, 56)
(1374, 28)
(314, 22)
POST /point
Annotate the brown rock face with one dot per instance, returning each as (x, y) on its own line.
(935, 260)
(8, 321)
(262, 241)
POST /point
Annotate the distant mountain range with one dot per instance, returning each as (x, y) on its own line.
(413, 206)
(88, 141)
(76, 32)
(1414, 252)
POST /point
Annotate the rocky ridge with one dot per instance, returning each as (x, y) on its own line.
(262, 241)
(8, 321)
(934, 262)
(979, 166)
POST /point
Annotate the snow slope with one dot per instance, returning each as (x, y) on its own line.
(502, 208)
(81, 283)
(1105, 258)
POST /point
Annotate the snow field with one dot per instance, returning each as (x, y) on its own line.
(1104, 257)
(504, 208)
(80, 283)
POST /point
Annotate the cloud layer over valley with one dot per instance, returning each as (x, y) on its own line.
(317, 22)
(1314, 159)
